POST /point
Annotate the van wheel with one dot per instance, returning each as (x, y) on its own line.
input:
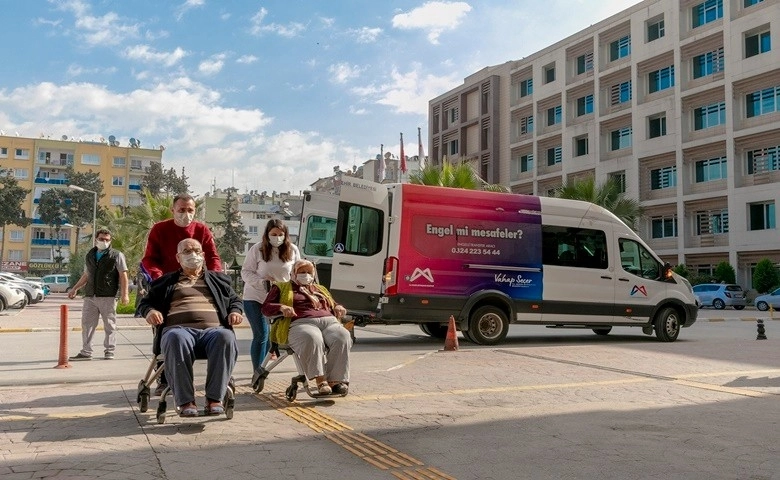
(435, 330)
(488, 325)
(718, 304)
(667, 325)
(602, 331)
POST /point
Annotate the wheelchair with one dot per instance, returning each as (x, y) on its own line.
(291, 392)
(153, 372)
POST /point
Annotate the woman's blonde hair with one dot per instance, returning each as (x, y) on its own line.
(302, 263)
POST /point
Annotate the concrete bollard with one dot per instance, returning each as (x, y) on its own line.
(761, 330)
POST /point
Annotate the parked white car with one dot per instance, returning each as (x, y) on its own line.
(33, 291)
(11, 297)
(763, 302)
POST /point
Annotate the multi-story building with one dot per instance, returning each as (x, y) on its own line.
(39, 164)
(677, 99)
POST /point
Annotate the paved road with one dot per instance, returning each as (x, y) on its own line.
(547, 404)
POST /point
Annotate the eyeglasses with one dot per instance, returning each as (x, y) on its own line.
(187, 251)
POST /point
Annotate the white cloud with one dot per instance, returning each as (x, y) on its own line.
(257, 27)
(97, 31)
(186, 6)
(365, 34)
(213, 65)
(343, 72)
(146, 54)
(247, 59)
(433, 17)
(77, 71)
(407, 92)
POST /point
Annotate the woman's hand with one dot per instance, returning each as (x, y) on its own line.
(287, 311)
(340, 311)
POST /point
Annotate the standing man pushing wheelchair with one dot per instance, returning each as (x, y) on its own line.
(196, 309)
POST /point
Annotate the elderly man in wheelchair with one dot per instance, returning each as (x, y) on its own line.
(195, 309)
(314, 331)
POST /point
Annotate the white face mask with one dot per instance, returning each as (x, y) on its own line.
(276, 240)
(304, 278)
(183, 219)
(191, 260)
(102, 244)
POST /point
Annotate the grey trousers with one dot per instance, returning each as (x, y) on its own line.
(91, 311)
(182, 345)
(323, 346)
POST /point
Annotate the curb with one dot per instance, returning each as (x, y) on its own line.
(743, 319)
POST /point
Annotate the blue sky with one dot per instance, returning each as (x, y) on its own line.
(260, 95)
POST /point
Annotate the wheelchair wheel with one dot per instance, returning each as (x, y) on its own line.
(230, 399)
(143, 402)
(291, 393)
(161, 408)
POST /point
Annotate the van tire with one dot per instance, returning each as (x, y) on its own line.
(667, 324)
(602, 331)
(435, 330)
(488, 325)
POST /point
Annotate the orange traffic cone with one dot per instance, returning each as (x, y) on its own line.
(451, 342)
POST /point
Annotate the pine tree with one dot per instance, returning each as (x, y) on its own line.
(11, 198)
(233, 234)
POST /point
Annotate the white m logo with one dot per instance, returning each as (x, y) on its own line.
(421, 273)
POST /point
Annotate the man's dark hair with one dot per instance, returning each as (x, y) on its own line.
(183, 196)
(103, 231)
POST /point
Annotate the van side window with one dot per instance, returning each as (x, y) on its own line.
(320, 232)
(574, 247)
(637, 260)
(360, 229)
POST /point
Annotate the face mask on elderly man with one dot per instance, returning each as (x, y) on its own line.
(191, 260)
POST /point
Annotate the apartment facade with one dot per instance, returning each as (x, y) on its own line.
(39, 164)
(677, 99)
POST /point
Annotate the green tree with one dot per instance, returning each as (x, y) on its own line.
(11, 198)
(724, 272)
(80, 205)
(461, 175)
(765, 276)
(51, 211)
(131, 226)
(682, 270)
(233, 234)
(607, 195)
(175, 184)
(154, 181)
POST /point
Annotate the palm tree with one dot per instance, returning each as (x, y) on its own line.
(461, 175)
(608, 195)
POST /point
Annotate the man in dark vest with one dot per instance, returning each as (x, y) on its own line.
(105, 275)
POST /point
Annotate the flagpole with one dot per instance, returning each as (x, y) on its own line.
(402, 161)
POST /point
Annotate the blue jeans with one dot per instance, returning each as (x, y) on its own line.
(260, 329)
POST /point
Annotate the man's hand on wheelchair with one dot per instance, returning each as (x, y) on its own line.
(235, 318)
(154, 318)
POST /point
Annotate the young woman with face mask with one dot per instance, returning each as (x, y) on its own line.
(269, 260)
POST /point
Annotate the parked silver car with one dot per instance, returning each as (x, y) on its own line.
(720, 295)
(762, 302)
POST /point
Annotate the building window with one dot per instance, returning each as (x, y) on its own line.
(757, 43)
(763, 160)
(452, 114)
(665, 177)
(711, 169)
(549, 73)
(526, 125)
(22, 153)
(581, 146)
(656, 125)
(664, 227)
(526, 87)
(584, 105)
(453, 147)
(15, 255)
(707, 12)
(763, 102)
(252, 230)
(88, 159)
(709, 116)
(655, 29)
(620, 138)
(762, 216)
(521, 164)
(117, 181)
(619, 178)
(3, 152)
(117, 200)
(554, 156)
(620, 48)
(584, 63)
(554, 116)
(708, 63)
(712, 222)
(21, 173)
(750, 3)
(661, 79)
(17, 235)
(620, 93)
(119, 162)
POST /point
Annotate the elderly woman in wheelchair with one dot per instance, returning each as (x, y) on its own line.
(315, 333)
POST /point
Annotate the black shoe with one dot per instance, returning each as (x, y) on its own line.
(340, 389)
(80, 357)
(160, 387)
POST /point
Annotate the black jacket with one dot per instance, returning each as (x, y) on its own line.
(161, 292)
(102, 275)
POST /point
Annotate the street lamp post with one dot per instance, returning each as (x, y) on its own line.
(94, 209)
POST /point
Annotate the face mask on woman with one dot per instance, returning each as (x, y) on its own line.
(276, 240)
(304, 278)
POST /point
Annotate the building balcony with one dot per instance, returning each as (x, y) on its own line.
(134, 187)
(49, 241)
(55, 162)
(51, 181)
